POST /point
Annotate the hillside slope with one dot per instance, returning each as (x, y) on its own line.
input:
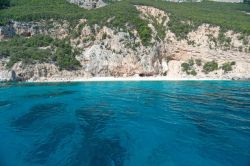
(59, 41)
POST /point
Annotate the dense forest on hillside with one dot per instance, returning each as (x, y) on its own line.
(227, 15)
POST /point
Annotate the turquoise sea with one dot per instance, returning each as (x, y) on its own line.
(185, 123)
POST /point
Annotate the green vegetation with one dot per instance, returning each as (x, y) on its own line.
(210, 66)
(244, 38)
(227, 66)
(161, 31)
(39, 49)
(198, 62)
(193, 72)
(207, 68)
(185, 67)
(191, 62)
(159, 27)
(181, 28)
(223, 40)
(189, 67)
(247, 1)
(226, 15)
(184, 17)
(4, 4)
(144, 33)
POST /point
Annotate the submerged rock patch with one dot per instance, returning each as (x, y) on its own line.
(43, 151)
(96, 150)
(36, 113)
(4, 103)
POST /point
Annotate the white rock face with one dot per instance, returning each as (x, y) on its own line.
(7, 76)
(88, 4)
(100, 62)
(165, 67)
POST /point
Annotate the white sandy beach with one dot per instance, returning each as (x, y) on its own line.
(111, 79)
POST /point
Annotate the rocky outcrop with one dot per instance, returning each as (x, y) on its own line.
(98, 61)
(6, 76)
(88, 4)
(52, 28)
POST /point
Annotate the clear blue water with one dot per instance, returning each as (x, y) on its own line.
(125, 123)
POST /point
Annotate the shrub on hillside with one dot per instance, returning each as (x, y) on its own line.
(193, 72)
(39, 41)
(224, 40)
(65, 60)
(210, 66)
(29, 51)
(28, 55)
(226, 67)
(180, 28)
(189, 67)
(145, 34)
(185, 67)
(198, 62)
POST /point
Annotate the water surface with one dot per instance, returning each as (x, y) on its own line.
(125, 123)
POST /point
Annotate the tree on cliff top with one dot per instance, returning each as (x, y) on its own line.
(4, 3)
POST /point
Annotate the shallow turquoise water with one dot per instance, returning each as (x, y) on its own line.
(125, 123)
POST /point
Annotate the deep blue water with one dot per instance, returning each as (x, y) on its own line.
(125, 123)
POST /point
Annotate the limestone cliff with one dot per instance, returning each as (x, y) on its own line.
(114, 52)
